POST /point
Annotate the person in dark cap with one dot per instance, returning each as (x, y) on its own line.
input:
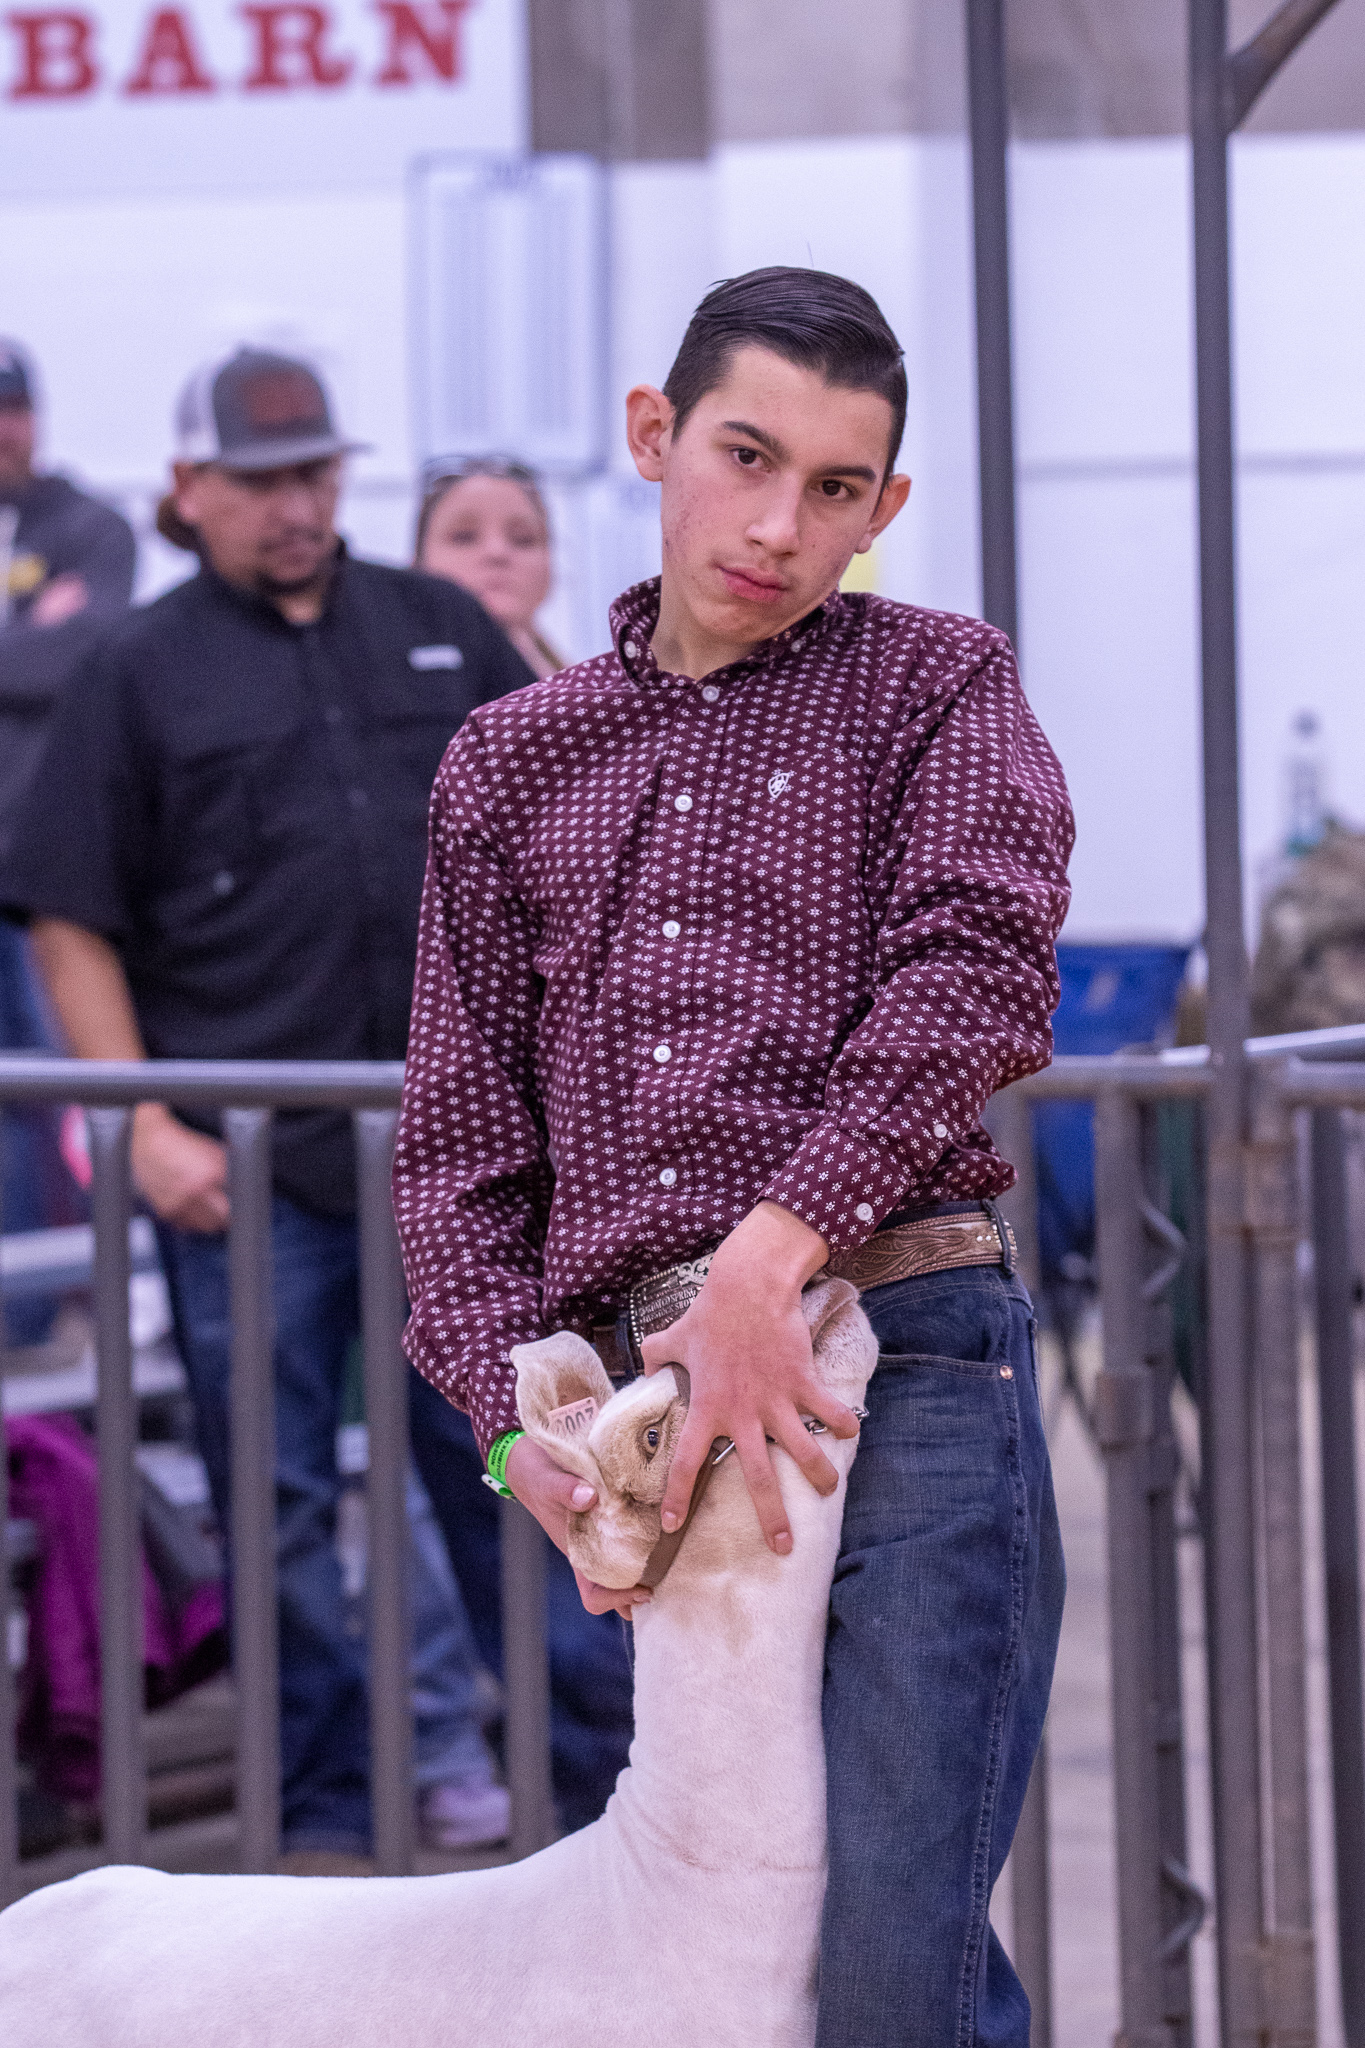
(221, 856)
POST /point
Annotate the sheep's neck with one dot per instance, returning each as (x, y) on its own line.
(727, 1763)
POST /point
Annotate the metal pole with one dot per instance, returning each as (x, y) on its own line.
(1123, 1411)
(382, 1301)
(1333, 1283)
(9, 1775)
(1010, 1122)
(1274, 1215)
(1226, 1415)
(255, 1620)
(123, 1774)
(526, 1672)
(989, 114)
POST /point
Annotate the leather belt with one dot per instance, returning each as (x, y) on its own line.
(928, 1244)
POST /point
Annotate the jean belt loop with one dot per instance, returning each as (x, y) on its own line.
(992, 1209)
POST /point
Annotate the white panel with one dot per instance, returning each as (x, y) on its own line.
(509, 308)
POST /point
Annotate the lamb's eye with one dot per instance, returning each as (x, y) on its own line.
(652, 1439)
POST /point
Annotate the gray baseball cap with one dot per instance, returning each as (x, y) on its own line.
(257, 410)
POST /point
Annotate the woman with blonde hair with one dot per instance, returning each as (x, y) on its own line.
(482, 523)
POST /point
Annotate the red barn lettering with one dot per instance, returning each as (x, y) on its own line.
(169, 61)
(289, 49)
(55, 61)
(423, 40)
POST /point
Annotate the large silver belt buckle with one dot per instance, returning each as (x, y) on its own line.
(664, 1297)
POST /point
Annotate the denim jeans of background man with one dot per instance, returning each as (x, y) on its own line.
(944, 1619)
(324, 1729)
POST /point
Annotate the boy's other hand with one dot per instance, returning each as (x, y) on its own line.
(550, 1493)
(746, 1345)
(182, 1173)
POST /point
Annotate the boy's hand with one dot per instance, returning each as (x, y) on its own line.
(550, 1493)
(746, 1345)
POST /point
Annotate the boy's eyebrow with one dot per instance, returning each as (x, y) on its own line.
(778, 451)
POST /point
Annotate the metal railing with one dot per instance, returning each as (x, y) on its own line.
(248, 1093)
(1140, 1253)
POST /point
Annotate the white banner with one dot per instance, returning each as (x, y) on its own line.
(213, 97)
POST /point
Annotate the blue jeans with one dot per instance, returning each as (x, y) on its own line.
(944, 1618)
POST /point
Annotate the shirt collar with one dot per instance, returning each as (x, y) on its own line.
(262, 608)
(635, 614)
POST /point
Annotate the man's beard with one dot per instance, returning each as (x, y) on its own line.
(269, 586)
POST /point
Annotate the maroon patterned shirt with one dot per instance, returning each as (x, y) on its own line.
(685, 946)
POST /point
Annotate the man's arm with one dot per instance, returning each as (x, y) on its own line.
(968, 889)
(180, 1172)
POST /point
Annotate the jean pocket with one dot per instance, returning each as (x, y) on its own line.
(928, 1361)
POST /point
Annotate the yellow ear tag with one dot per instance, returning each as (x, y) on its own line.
(575, 1418)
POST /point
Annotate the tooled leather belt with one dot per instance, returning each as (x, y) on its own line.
(904, 1251)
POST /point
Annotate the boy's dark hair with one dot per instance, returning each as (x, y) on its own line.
(814, 319)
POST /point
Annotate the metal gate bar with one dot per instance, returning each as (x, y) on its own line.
(383, 1306)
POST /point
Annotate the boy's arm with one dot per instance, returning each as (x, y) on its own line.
(968, 895)
(472, 1179)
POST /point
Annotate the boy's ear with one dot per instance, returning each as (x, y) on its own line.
(561, 1386)
(649, 426)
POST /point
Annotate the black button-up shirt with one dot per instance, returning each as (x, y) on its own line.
(240, 806)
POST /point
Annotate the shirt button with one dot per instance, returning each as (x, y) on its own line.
(224, 883)
(672, 929)
(334, 714)
(710, 694)
(629, 649)
(682, 803)
(940, 1130)
(357, 798)
(663, 1054)
(667, 1177)
(864, 1212)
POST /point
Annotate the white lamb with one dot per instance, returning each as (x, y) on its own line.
(687, 1917)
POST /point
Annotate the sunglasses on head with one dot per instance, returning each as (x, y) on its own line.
(454, 469)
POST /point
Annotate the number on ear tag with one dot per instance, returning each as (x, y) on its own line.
(575, 1418)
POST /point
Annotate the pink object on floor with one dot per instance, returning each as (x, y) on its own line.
(53, 1481)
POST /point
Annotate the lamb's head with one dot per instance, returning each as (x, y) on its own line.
(622, 1444)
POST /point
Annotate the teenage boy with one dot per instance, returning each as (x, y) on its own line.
(728, 936)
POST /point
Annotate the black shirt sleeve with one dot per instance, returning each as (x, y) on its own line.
(79, 845)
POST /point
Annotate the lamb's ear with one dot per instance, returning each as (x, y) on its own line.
(842, 1338)
(561, 1385)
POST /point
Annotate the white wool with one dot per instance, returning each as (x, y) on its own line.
(687, 1917)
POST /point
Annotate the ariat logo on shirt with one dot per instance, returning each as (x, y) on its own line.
(779, 782)
(423, 659)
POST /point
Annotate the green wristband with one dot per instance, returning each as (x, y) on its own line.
(499, 1452)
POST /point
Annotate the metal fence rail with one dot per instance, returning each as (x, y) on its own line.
(1140, 1253)
(248, 1093)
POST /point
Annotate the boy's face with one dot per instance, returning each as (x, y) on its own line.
(770, 489)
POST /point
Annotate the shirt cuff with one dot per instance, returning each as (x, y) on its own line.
(842, 1184)
(493, 1406)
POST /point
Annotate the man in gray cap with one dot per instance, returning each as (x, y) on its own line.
(221, 857)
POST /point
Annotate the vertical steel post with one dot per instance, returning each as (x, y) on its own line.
(1010, 1122)
(988, 108)
(255, 1619)
(526, 1672)
(1333, 1286)
(988, 101)
(1273, 1211)
(1226, 1415)
(123, 1774)
(382, 1300)
(9, 1775)
(1123, 1409)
